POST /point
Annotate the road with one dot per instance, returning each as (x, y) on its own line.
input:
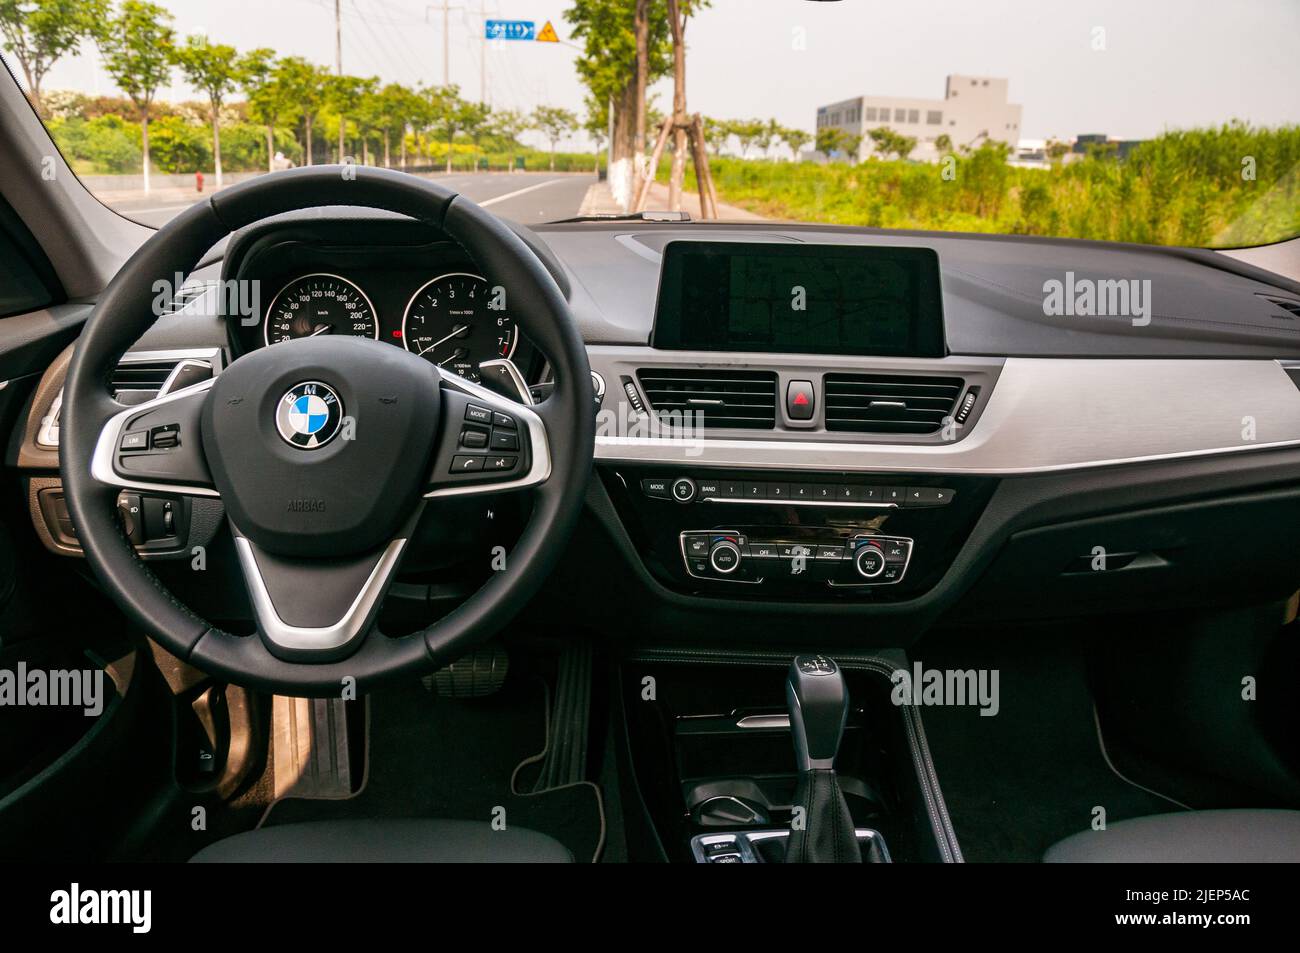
(525, 197)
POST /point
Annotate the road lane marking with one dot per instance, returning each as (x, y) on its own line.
(518, 192)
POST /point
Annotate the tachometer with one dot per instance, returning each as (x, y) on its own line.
(457, 321)
(319, 304)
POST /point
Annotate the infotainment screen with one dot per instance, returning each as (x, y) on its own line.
(799, 298)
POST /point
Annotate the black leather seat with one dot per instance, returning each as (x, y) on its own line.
(1195, 837)
(415, 841)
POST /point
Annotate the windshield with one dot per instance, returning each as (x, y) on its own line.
(1160, 122)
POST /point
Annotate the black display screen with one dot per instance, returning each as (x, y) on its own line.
(800, 299)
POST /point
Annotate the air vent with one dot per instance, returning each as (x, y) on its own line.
(189, 292)
(719, 398)
(134, 382)
(1288, 308)
(889, 403)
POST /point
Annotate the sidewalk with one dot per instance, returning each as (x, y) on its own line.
(599, 200)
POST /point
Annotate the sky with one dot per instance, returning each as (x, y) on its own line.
(1161, 64)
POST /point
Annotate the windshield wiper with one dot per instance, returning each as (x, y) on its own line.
(648, 216)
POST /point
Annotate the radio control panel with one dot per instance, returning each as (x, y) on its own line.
(865, 559)
(858, 495)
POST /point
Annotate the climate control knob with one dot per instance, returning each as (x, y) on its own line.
(870, 562)
(724, 557)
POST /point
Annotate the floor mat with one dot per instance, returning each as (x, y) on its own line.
(1019, 781)
(432, 756)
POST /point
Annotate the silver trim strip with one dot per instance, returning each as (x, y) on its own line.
(540, 450)
(101, 464)
(305, 639)
(48, 437)
(764, 721)
(786, 502)
(1043, 415)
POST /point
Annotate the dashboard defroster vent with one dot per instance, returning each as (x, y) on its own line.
(717, 397)
(889, 403)
(136, 382)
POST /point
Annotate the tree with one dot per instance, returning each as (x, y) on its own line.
(889, 142)
(304, 85)
(476, 121)
(829, 140)
(796, 139)
(39, 32)
(748, 132)
(344, 95)
(716, 133)
(269, 96)
(771, 133)
(394, 107)
(449, 113)
(943, 143)
(136, 45)
(608, 68)
(554, 123)
(215, 69)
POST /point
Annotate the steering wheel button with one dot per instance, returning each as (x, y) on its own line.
(503, 420)
(472, 439)
(462, 463)
(478, 415)
(137, 440)
(500, 463)
(504, 440)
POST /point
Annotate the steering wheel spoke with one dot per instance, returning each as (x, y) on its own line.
(487, 444)
(156, 446)
(314, 609)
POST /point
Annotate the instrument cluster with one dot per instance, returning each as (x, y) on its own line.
(428, 298)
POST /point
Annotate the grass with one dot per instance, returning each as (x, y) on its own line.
(1231, 186)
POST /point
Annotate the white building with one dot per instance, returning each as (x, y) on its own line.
(974, 109)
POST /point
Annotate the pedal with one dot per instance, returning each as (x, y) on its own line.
(310, 748)
(480, 673)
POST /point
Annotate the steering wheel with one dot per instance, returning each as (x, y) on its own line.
(325, 451)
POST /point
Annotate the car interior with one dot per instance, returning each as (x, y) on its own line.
(558, 549)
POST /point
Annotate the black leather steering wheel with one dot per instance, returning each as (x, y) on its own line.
(324, 451)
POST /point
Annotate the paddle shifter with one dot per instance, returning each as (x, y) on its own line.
(822, 832)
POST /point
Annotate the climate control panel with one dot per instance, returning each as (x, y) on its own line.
(865, 559)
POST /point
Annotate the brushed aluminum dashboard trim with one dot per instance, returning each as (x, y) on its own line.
(1043, 415)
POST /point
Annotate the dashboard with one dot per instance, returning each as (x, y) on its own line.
(965, 458)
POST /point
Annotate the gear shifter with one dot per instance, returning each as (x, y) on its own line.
(818, 701)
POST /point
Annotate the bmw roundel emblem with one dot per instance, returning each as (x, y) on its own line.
(309, 415)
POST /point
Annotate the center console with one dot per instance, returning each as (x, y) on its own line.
(806, 536)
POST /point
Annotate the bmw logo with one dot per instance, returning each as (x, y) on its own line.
(309, 415)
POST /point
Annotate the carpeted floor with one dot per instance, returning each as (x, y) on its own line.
(449, 758)
(1017, 782)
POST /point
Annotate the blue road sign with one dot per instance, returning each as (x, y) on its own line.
(511, 30)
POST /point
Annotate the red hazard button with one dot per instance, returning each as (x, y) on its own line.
(800, 400)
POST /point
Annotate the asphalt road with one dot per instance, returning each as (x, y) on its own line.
(525, 197)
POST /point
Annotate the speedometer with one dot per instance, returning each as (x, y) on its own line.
(319, 304)
(457, 321)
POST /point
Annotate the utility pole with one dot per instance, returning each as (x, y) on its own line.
(338, 37)
(482, 63)
(446, 9)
